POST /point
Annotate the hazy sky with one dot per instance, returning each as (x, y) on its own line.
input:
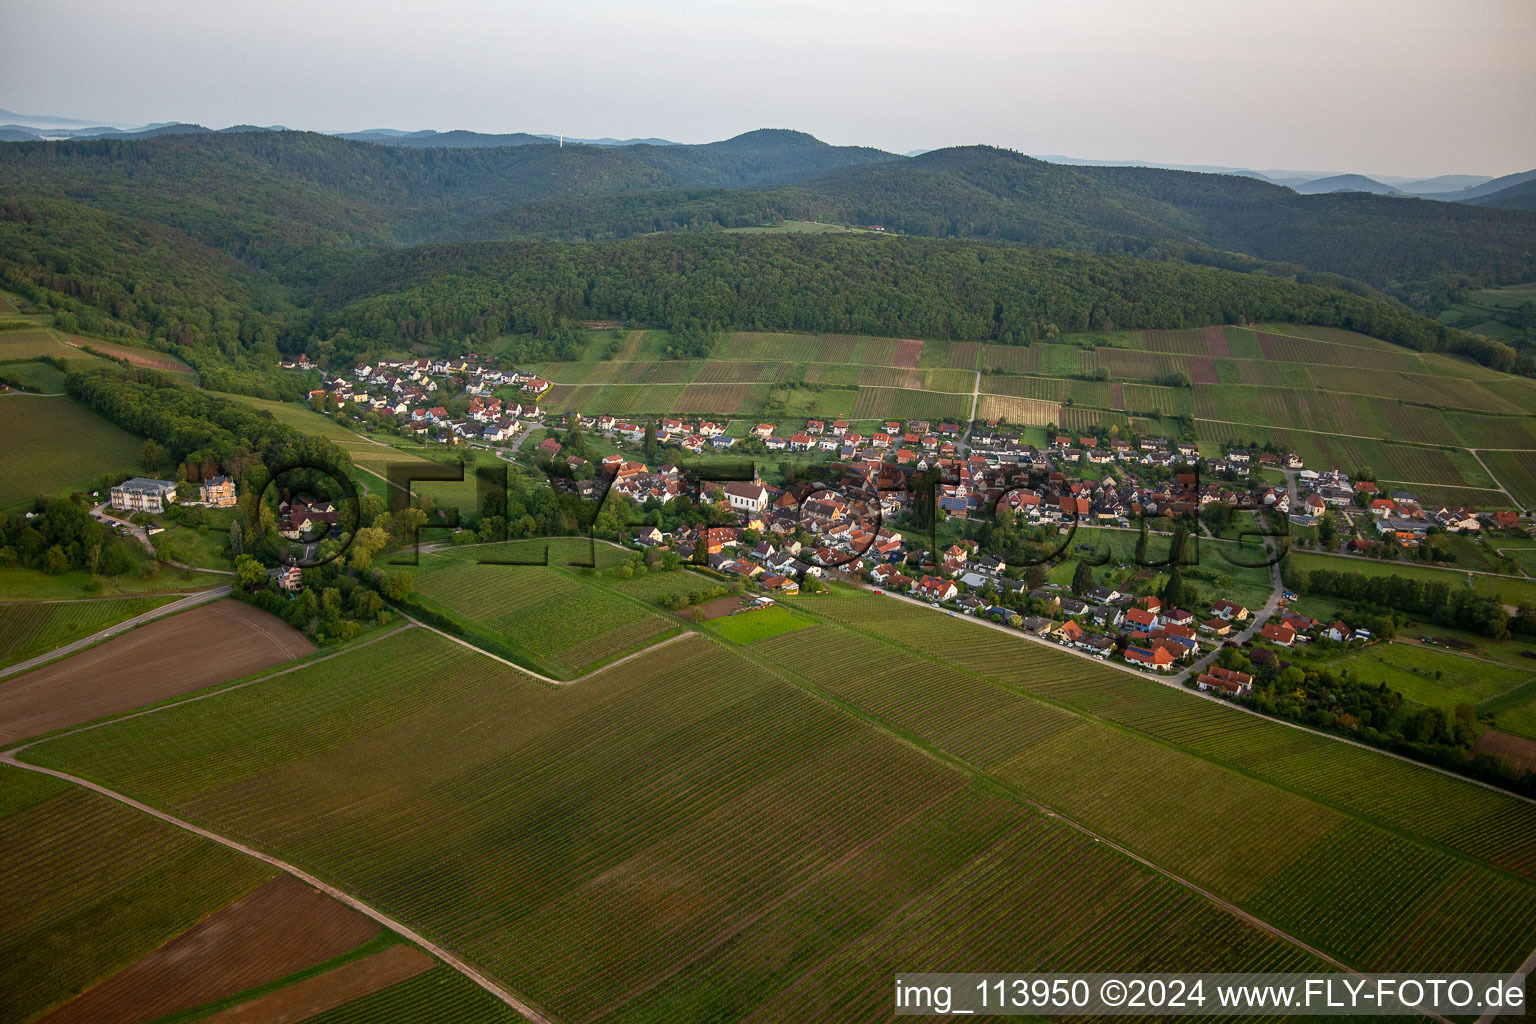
(1411, 87)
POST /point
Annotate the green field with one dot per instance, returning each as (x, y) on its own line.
(88, 885)
(27, 630)
(549, 619)
(1509, 590)
(731, 766)
(55, 445)
(1400, 796)
(692, 795)
(749, 627)
(1432, 676)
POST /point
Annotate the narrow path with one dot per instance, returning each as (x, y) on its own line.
(1504, 490)
(12, 757)
(540, 676)
(9, 757)
(191, 601)
(964, 446)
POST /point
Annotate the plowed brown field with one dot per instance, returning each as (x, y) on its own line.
(210, 644)
(282, 927)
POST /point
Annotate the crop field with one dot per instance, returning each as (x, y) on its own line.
(1136, 791)
(164, 658)
(1398, 794)
(1190, 342)
(88, 886)
(699, 799)
(54, 445)
(43, 378)
(1020, 411)
(546, 618)
(441, 995)
(1009, 358)
(28, 630)
(1432, 676)
(964, 354)
(654, 585)
(31, 344)
(1045, 389)
(132, 354)
(1164, 401)
(1516, 471)
(282, 927)
(897, 403)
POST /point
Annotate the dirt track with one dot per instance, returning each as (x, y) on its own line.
(209, 644)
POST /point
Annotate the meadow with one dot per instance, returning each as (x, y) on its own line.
(55, 445)
(1510, 590)
(750, 842)
(1432, 676)
(749, 627)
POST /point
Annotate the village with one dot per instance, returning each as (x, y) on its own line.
(856, 522)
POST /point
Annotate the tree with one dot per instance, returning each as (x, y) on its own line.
(1173, 591)
(55, 561)
(236, 538)
(249, 571)
(149, 456)
(1082, 578)
(650, 442)
(399, 585)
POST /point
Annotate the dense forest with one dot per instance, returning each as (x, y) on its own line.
(832, 283)
(230, 249)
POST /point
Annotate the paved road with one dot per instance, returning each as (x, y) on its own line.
(190, 601)
(970, 424)
(142, 536)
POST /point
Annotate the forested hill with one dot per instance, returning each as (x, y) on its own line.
(894, 287)
(1409, 247)
(270, 198)
(232, 247)
(259, 193)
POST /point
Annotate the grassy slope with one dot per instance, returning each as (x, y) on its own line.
(54, 445)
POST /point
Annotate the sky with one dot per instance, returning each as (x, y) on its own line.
(1406, 87)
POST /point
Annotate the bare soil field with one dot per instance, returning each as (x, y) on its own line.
(1216, 344)
(282, 927)
(313, 996)
(1519, 751)
(210, 644)
(146, 357)
(907, 354)
(1202, 370)
(722, 606)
